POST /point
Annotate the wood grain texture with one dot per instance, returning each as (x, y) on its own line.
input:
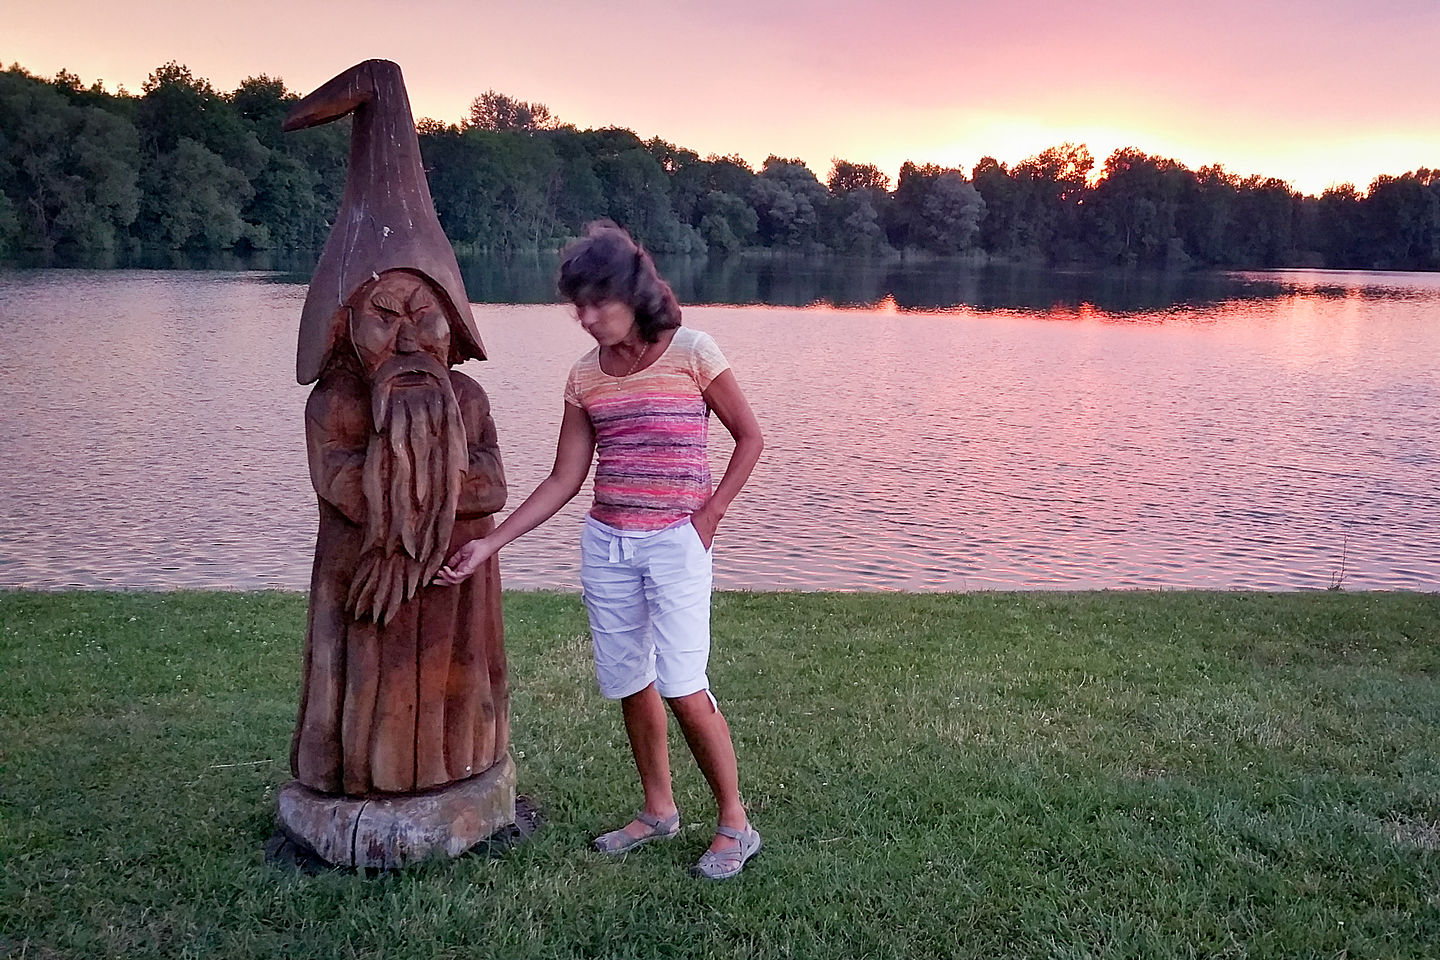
(422, 700)
(403, 685)
(392, 733)
(437, 642)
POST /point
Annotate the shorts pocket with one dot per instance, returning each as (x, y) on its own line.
(696, 533)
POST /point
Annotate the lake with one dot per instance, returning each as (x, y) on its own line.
(927, 427)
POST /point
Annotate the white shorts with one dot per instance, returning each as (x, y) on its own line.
(648, 596)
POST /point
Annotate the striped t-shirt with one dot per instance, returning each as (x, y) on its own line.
(650, 432)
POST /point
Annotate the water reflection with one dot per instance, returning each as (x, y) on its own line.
(297, 263)
(792, 281)
(1283, 435)
(929, 285)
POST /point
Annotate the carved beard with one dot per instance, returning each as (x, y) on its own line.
(412, 475)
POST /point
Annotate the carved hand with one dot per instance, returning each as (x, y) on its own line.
(483, 490)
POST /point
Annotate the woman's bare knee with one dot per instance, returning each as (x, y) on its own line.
(697, 706)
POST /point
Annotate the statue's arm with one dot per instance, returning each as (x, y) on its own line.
(336, 437)
(483, 490)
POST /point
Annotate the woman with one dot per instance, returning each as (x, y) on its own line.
(643, 397)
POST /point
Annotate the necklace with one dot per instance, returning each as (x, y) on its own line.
(638, 357)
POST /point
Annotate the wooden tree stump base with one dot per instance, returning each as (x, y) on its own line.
(390, 833)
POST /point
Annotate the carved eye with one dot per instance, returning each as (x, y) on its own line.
(387, 304)
(421, 303)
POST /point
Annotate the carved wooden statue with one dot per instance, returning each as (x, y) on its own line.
(404, 687)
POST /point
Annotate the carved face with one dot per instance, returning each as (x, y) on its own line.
(398, 314)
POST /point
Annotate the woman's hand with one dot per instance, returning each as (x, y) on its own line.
(465, 561)
(706, 521)
(724, 397)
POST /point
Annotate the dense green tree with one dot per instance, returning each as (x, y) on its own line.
(581, 196)
(9, 227)
(935, 209)
(789, 202)
(297, 189)
(494, 190)
(846, 177)
(852, 222)
(672, 159)
(1001, 230)
(195, 200)
(184, 166)
(73, 88)
(1052, 187)
(1136, 206)
(463, 205)
(687, 175)
(262, 102)
(1264, 222)
(1339, 226)
(727, 223)
(950, 214)
(68, 171)
(180, 106)
(495, 111)
(711, 195)
(1034, 211)
(1209, 225)
(284, 208)
(729, 174)
(637, 194)
(1403, 221)
(199, 158)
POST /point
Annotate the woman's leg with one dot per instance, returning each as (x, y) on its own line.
(708, 734)
(677, 589)
(624, 664)
(646, 726)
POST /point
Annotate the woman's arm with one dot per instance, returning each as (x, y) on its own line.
(728, 401)
(573, 453)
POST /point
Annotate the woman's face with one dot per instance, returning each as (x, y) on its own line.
(609, 321)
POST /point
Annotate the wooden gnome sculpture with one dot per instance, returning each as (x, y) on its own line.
(401, 747)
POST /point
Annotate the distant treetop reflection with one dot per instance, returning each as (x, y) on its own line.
(907, 284)
(792, 280)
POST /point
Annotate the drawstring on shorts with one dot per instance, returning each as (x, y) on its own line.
(622, 548)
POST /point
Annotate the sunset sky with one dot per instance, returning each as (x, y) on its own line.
(1318, 92)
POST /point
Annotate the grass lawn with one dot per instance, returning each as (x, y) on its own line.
(1142, 775)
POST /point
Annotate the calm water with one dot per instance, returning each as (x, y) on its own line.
(926, 430)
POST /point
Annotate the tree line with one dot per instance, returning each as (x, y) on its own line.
(183, 166)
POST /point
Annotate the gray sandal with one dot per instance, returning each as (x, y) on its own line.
(618, 841)
(723, 864)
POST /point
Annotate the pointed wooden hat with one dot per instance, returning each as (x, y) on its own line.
(386, 219)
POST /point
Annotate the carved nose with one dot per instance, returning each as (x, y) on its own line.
(405, 341)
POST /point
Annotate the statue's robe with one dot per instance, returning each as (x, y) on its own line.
(423, 700)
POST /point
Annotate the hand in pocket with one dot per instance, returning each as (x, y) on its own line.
(705, 527)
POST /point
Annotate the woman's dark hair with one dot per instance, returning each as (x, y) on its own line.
(606, 264)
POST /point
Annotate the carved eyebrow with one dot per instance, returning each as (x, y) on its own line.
(383, 301)
(420, 299)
